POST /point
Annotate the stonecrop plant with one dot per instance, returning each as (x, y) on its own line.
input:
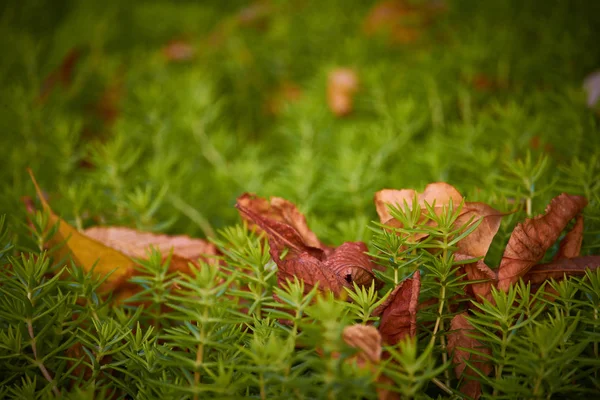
(300, 200)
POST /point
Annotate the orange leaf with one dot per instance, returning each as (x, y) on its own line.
(87, 252)
(530, 240)
(462, 336)
(342, 84)
(366, 339)
(399, 311)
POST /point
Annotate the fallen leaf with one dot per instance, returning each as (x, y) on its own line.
(282, 236)
(401, 21)
(63, 74)
(366, 339)
(461, 336)
(342, 84)
(136, 244)
(309, 269)
(178, 51)
(305, 256)
(439, 195)
(558, 268)
(280, 210)
(475, 271)
(530, 240)
(286, 93)
(85, 251)
(570, 246)
(399, 311)
(591, 84)
(351, 263)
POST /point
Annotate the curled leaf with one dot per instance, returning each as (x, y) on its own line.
(399, 311)
(557, 269)
(342, 84)
(291, 241)
(351, 263)
(570, 246)
(530, 240)
(477, 271)
(460, 340)
(278, 210)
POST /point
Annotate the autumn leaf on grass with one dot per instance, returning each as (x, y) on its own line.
(557, 269)
(531, 239)
(178, 51)
(85, 251)
(460, 340)
(402, 21)
(367, 340)
(63, 74)
(182, 249)
(399, 311)
(298, 252)
(280, 210)
(342, 84)
(439, 195)
(478, 271)
(113, 249)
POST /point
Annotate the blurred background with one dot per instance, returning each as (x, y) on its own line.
(158, 114)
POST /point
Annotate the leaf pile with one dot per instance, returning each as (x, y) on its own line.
(298, 253)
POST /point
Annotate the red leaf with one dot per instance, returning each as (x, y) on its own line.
(311, 270)
(461, 336)
(478, 270)
(563, 266)
(399, 311)
(530, 240)
(570, 246)
(351, 263)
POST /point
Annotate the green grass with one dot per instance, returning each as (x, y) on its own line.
(190, 137)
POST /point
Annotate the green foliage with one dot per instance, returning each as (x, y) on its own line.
(189, 137)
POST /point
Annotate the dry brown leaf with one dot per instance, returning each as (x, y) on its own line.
(557, 269)
(178, 51)
(478, 270)
(342, 85)
(402, 21)
(87, 252)
(351, 263)
(530, 240)
(136, 244)
(439, 195)
(63, 74)
(288, 234)
(309, 269)
(570, 246)
(280, 210)
(366, 339)
(461, 330)
(399, 311)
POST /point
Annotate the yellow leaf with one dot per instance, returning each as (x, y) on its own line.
(87, 252)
